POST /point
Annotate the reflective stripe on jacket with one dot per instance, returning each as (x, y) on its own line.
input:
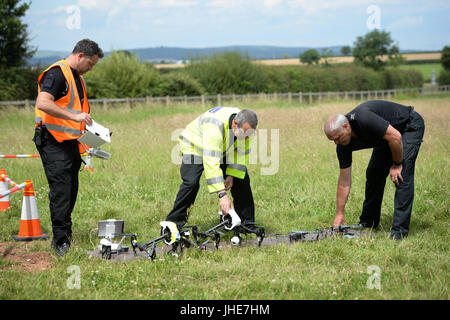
(210, 137)
(63, 129)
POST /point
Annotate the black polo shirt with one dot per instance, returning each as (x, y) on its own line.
(54, 83)
(369, 121)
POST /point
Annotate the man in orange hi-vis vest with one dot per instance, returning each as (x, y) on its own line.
(62, 111)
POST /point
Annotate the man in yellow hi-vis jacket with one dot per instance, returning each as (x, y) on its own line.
(217, 142)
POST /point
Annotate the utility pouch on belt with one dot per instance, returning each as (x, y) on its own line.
(38, 136)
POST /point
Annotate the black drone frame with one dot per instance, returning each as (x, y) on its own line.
(177, 246)
(323, 233)
(214, 233)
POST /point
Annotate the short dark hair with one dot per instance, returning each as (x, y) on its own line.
(89, 48)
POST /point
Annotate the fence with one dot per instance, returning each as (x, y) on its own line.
(298, 97)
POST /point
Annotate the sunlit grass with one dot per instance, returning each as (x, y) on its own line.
(139, 183)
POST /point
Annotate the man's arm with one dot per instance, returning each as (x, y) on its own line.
(343, 191)
(46, 103)
(394, 139)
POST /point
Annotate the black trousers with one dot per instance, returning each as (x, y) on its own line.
(191, 170)
(377, 172)
(62, 162)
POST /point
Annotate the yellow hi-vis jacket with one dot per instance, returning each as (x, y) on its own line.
(211, 141)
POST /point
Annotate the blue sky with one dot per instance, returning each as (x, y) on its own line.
(130, 24)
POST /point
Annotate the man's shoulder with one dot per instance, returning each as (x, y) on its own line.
(55, 73)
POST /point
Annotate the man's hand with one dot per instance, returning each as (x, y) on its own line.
(46, 102)
(80, 117)
(339, 220)
(396, 174)
(225, 204)
(228, 183)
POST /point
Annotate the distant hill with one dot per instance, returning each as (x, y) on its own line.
(175, 54)
(254, 52)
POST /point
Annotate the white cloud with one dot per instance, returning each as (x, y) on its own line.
(166, 3)
(407, 22)
(96, 4)
(272, 3)
(177, 3)
(117, 9)
(312, 7)
(225, 4)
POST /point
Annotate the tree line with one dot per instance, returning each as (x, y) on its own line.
(122, 74)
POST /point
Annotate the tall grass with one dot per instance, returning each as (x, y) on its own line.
(139, 184)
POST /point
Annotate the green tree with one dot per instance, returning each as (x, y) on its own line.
(310, 56)
(178, 84)
(395, 58)
(14, 37)
(225, 73)
(346, 50)
(370, 49)
(120, 75)
(445, 58)
(444, 75)
(326, 54)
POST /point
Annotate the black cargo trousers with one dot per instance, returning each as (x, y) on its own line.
(62, 162)
(191, 170)
(377, 172)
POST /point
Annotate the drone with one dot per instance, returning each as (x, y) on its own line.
(192, 237)
(189, 236)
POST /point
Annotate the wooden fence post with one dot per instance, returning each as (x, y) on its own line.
(310, 97)
(105, 104)
(203, 100)
(290, 97)
(300, 97)
(167, 101)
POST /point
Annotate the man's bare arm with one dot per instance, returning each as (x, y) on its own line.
(343, 191)
(394, 139)
(46, 103)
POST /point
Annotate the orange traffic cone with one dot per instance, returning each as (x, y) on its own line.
(4, 201)
(30, 225)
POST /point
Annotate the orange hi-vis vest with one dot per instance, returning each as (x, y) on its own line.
(62, 129)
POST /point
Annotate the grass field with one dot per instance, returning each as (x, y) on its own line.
(139, 184)
(349, 59)
(426, 69)
(339, 59)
